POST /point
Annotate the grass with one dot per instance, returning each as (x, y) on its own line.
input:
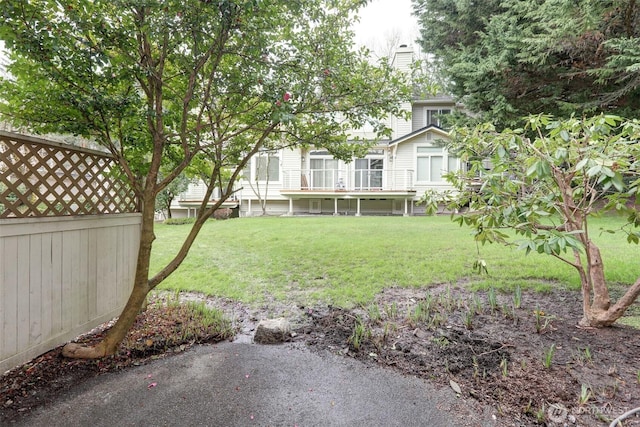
(346, 261)
(168, 323)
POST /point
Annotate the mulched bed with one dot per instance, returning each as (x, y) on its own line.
(489, 351)
(499, 357)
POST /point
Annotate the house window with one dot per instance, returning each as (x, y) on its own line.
(368, 173)
(430, 164)
(324, 173)
(453, 164)
(434, 116)
(266, 167)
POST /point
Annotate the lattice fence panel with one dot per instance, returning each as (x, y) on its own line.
(41, 178)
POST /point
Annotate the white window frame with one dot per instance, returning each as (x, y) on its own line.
(276, 154)
(329, 176)
(430, 151)
(368, 178)
(438, 112)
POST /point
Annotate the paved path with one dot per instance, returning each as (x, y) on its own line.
(231, 384)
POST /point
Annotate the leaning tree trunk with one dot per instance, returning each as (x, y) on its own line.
(600, 313)
(118, 332)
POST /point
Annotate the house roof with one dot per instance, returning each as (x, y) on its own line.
(421, 131)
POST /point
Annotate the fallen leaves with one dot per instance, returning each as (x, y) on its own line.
(454, 385)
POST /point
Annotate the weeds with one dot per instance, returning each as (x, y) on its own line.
(585, 394)
(476, 304)
(476, 367)
(541, 414)
(198, 324)
(584, 356)
(359, 335)
(422, 310)
(542, 321)
(508, 311)
(446, 301)
(389, 330)
(441, 342)
(504, 367)
(517, 297)
(493, 300)
(436, 320)
(392, 311)
(548, 356)
(374, 313)
(468, 319)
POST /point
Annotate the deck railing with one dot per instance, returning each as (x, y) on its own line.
(348, 180)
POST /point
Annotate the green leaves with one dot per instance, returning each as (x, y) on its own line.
(509, 58)
(543, 182)
(552, 242)
(539, 169)
(177, 80)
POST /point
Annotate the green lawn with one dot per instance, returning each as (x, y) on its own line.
(346, 260)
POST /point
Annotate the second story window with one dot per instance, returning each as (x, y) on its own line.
(435, 116)
(268, 167)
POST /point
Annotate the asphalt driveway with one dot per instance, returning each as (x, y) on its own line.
(240, 384)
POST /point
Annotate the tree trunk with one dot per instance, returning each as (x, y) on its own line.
(601, 313)
(110, 343)
(601, 300)
(169, 207)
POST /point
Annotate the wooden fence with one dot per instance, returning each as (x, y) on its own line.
(69, 235)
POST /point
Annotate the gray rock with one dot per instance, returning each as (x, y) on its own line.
(272, 331)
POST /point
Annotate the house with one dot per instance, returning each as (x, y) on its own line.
(389, 180)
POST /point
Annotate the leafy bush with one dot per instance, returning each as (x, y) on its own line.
(222, 213)
(179, 221)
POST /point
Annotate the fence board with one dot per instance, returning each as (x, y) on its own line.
(10, 296)
(81, 284)
(23, 291)
(47, 285)
(92, 274)
(56, 283)
(35, 289)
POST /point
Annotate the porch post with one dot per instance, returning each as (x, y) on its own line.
(248, 207)
(358, 207)
(335, 207)
(290, 207)
(406, 207)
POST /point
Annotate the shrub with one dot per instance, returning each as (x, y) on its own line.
(179, 221)
(223, 213)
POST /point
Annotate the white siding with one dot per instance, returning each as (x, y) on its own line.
(417, 118)
(402, 61)
(402, 127)
(196, 191)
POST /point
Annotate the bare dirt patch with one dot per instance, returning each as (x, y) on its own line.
(528, 360)
(531, 363)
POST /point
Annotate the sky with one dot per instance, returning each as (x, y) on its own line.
(381, 20)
